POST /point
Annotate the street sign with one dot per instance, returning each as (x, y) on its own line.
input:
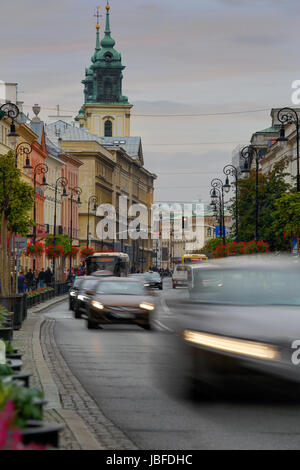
(20, 244)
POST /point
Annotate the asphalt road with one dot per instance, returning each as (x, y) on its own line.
(116, 367)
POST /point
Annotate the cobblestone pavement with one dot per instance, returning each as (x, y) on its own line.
(73, 396)
(22, 341)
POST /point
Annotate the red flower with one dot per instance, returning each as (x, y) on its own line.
(54, 251)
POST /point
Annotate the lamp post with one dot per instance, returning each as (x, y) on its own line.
(74, 192)
(230, 170)
(63, 183)
(289, 116)
(247, 153)
(40, 169)
(216, 205)
(218, 193)
(92, 200)
(12, 111)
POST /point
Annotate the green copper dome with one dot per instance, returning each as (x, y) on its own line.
(103, 81)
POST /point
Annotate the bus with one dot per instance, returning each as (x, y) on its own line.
(111, 263)
(193, 259)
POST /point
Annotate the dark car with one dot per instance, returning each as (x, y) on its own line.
(120, 300)
(81, 299)
(153, 280)
(73, 291)
(240, 331)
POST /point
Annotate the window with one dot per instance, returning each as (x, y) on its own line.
(108, 129)
(209, 234)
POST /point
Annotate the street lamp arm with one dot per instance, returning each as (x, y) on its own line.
(11, 110)
(288, 116)
(62, 182)
(230, 170)
(76, 191)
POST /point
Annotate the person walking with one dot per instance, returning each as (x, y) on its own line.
(42, 279)
(21, 283)
(48, 277)
(29, 280)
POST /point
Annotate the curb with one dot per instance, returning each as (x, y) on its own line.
(73, 421)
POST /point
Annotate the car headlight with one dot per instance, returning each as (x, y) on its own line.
(72, 293)
(146, 306)
(146, 285)
(82, 297)
(97, 305)
(232, 345)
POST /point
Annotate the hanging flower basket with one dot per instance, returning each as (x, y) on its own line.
(54, 251)
(35, 249)
(85, 252)
(73, 252)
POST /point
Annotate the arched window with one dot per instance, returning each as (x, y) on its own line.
(108, 128)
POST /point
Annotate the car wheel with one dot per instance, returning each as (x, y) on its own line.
(90, 325)
(147, 326)
(161, 287)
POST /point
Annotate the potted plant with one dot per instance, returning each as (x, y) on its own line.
(6, 332)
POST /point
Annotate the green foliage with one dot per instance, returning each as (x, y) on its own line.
(5, 370)
(271, 188)
(63, 240)
(16, 196)
(25, 400)
(212, 244)
(3, 312)
(287, 214)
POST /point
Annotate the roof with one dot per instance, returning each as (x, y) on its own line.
(270, 130)
(67, 132)
(37, 128)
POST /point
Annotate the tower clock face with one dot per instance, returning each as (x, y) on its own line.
(108, 57)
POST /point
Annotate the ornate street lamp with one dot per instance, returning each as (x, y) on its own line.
(230, 170)
(12, 111)
(63, 183)
(248, 153)
(217, 193)
(289, 116)
(23, 149)
(92, 200)
(40, 169)
(74, 192)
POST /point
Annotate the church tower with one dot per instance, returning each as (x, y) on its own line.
(106, 112)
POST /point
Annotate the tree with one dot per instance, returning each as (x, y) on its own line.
(286, 216)
(271, 188)
(16, 202)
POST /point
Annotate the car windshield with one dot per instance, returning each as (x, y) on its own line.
(154, 276)
(120, 288)
(247, 287)
(89, 284)
(77, 282)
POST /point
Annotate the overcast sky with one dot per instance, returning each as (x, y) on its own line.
(183, 57)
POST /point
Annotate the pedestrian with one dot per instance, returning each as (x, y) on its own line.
(48, 277)
(21, 283)
(29, 280)
(42, 279)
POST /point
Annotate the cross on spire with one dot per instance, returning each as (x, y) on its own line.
(97, 15)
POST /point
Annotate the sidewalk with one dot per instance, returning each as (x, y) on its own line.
(86, 427)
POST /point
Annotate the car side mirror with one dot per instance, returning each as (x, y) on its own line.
(90, 292)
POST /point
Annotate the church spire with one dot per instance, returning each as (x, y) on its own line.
(107, 41)
(97, 15)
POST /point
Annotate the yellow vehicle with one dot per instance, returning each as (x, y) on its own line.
(192, 259)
